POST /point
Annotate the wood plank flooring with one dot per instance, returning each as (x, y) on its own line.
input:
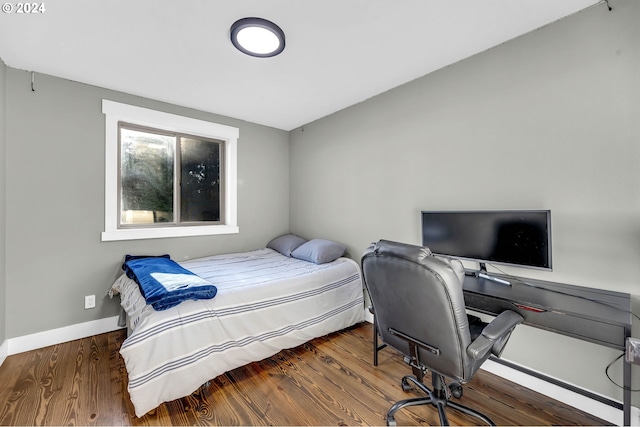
(328, 381)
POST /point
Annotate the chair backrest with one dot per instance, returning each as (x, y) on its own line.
(420, 296)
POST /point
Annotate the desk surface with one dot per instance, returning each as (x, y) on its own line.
(596, 315)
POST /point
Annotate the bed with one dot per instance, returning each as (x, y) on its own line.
(265, 302)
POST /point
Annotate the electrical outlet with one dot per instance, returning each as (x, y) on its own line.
(89, 301)
(632, 354)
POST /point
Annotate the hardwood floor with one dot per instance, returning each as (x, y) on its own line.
(328, 381)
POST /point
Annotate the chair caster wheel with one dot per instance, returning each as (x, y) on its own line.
(391, 422)
(406, 386)
(456, 390)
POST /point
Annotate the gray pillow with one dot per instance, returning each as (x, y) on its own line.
(286, 244)
(319, 251)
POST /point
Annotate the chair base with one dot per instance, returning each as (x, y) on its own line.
(439, 398)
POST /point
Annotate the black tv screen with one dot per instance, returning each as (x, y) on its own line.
(519, 237)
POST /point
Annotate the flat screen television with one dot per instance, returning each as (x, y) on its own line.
(519, 238)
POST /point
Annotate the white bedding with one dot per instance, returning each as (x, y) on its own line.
(266, 302)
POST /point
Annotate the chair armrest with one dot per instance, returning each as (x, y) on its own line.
(501, 325)
(494, 336)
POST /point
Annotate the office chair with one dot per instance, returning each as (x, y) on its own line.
(419, 310)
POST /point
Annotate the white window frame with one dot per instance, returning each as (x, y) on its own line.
(116, 112)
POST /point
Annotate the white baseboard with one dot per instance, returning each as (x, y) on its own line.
(4, 351)
(561, 394)
(60, 335)
(368, 316)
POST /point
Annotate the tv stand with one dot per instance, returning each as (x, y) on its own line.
(483, 274)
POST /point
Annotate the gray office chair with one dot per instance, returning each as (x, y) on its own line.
(419, 310)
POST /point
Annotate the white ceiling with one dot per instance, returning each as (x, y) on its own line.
(338, 52)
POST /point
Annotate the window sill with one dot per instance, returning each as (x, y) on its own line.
(159, 233)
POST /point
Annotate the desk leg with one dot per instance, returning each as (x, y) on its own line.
(626, 373)
(375, 343)
(376, 347)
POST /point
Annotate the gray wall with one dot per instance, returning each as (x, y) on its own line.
(3, 287)
(55, 201)
(546, 121)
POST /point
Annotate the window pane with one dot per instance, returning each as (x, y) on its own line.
(200, 180)
(146, 177)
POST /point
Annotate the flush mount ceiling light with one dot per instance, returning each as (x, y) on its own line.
(257, 37)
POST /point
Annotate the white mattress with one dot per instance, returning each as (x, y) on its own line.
(266, 302)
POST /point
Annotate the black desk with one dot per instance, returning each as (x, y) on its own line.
(594, 315)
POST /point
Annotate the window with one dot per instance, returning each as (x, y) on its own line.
(167, 175)
(153, 164)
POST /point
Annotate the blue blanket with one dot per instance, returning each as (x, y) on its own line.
(163, 283)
